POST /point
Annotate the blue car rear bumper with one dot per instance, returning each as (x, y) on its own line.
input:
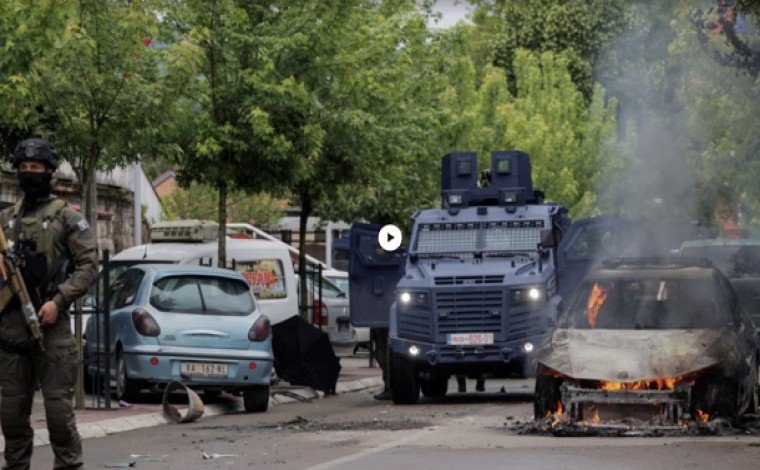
(244, 367)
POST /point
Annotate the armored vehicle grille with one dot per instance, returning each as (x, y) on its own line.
(470, 311)
(453, 280)
(524, 324)
(415, 325)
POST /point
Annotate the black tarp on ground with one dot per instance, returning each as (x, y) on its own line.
(303, 355)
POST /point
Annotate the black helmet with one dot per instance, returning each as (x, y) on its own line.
(36, 150)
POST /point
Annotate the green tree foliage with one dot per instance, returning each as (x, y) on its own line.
(233, 135)
(202, 202)
(578, 29)
(573, 147)
(98, 87)
(27, 31)
(721, 131)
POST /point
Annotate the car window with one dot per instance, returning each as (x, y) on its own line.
(202, 295)
(125, 288)
(329, 290)
(652, 303)
(265, 276)
(340, 282)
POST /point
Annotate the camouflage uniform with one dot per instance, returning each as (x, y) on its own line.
(380, 339)
(24, 365)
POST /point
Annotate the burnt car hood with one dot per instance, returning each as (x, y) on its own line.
(633, 355)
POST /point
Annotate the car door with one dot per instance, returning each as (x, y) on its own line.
(587, 242)
(123, 294)
(373, 274)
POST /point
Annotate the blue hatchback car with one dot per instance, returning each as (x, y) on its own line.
(193, 324)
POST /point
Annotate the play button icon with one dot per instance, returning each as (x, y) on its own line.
(389, 237)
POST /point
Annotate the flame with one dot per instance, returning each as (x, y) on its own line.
(557, 415)
(595, 419)
(702, 416)
(595, 301)
(666, 383)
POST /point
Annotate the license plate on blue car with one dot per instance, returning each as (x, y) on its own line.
(204, 369)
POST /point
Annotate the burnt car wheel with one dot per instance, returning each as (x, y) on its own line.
(405, 388)
(755, 402)
(716, 396)
(547, 396)
(435, 387)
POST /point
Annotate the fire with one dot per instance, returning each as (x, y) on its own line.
(595, 301)
(557, 415)
(702, 416)
(595, 419)
(667, 383)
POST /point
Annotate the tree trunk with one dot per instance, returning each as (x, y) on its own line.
(222, 263)
(90, 190)
(303, 219)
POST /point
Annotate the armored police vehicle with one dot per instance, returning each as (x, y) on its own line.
(478, 286)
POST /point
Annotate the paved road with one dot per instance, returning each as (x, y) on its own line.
(354, 431)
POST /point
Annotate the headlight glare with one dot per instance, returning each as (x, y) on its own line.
(414, 298)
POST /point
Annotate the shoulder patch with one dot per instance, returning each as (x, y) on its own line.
(82, 225)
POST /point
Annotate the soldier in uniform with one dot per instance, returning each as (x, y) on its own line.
(380, 340)
(59, 263)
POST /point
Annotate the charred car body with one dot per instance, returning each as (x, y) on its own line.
(477, 289)
(649, 341)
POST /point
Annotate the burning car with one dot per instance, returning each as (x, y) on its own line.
(649, 341)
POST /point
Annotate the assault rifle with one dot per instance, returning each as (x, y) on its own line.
(15, 285)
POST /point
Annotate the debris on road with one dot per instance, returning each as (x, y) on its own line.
(194, 409)
(121, 465)
(217, 456)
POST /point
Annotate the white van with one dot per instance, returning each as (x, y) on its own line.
(266, 265)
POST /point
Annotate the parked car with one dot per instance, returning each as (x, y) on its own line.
(330, 312)
(653, 340)
(739, 261)
(194, 324)
(340, 279)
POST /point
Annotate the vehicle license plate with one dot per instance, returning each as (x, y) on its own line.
(207, 369)
(470, 338)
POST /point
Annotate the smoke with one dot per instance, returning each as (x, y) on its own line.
(674, 177)
(657, 182)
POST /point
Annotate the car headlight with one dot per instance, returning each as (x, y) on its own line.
(526, 294)
(413, 298)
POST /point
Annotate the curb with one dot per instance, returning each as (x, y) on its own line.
(129, 423)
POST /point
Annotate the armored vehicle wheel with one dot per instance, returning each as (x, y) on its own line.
(435, 387)
(547, 396)
(405, 388)
(256, 399)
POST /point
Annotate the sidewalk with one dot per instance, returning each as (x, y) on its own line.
(355, 375)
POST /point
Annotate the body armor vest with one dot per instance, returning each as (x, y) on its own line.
(34, 243)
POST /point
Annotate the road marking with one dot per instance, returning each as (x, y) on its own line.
(371, 451)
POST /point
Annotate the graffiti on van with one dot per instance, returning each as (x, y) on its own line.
(266, 277)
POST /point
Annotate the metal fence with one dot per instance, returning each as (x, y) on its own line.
(95, 373)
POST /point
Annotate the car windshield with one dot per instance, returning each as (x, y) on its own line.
(733, 261)
(202, 295)
(652, 303)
